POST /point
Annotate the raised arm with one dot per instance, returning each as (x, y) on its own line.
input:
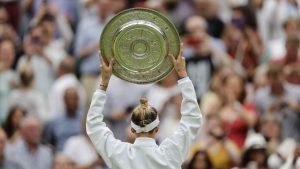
(177, 146)
(100, 135)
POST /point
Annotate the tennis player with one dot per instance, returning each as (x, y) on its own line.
(144, 153)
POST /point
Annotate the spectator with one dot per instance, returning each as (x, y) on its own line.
(5, 162)
(222, 152)
(8, 77)
(205, 58)
(81, 152)
(255, 155)
(209, 10)
(200, 160)
(277, 47)
(13, 12)
(41, 64)
(63, 127)
(53, 48)
(32, 100)
(87, 45)
(12, 124)
(282, 100)
(291, 60)
(87, 8)
(243, 44)
(29, 153)
(270, 128)
(237, 115)
(65, 79)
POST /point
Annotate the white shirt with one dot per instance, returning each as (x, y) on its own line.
(80, 151)
(57, 91)
(55, 52)
(157, 95)
(43, 72)
(32, 100)
(145, 153)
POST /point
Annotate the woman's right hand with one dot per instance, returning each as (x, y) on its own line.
(179, 63)
(106, 71)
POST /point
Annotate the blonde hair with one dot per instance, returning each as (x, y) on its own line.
(143, 114)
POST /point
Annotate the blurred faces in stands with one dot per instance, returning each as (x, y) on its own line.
(31, 130)
(71, 101)
(119, 5)
(104, 8)
(7, 54)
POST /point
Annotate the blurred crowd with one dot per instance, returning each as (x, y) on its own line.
(242, 57)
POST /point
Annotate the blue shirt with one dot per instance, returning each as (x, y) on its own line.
(59, 130)
(21, 156)
(88, 35)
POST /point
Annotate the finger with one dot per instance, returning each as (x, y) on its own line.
(111, 62)
(181, 50)
(100, 54)
(103, 60)
(172, 57)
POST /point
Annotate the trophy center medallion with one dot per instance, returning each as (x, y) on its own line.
(139, 48)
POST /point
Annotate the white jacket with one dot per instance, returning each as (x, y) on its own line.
(145, 153)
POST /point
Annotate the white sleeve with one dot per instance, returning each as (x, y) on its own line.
(177, 146)
(101, 136)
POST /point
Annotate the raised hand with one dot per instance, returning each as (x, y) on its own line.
(179, 63)
(106, 70)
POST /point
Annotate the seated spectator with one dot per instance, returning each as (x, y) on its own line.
(255, 154)
(5, 162)
(65, 79)
(32, 100)
(200, 160)
(81, 152)
(8, 77)
(12, 124)
(237, 115)
(222, 152)
(28, 152)
(69, 124)
(282, 100)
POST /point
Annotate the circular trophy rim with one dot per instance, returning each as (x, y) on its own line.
(174, 30)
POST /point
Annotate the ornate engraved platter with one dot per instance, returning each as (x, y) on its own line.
(140, 40)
